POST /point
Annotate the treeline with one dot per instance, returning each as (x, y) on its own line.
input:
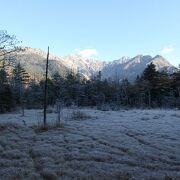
(150, 90)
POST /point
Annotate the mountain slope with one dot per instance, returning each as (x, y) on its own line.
(34, 61)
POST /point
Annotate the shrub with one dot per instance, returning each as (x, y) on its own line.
(79, 115)
(49, 126)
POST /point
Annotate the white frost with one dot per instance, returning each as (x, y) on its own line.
(134, 144)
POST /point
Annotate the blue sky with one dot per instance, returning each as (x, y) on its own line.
(106, 29)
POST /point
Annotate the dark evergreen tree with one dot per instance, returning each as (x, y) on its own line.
(6, 99)
(20, 81)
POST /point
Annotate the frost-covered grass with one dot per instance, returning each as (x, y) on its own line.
(125, 144)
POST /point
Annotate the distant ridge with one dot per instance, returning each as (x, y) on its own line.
(33, 60)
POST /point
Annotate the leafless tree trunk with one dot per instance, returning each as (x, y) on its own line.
(59, 111)
(22, 99)
(149, 98)
(45, 89)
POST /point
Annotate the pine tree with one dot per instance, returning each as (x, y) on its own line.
(6, 96)
(20, 83)
(58, 83)
(149, 78)
(150, 72)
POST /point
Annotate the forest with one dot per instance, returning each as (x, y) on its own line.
(150, 90)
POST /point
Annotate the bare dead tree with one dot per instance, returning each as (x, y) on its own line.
(59, 107)
(45, 89)
(8, 49)
(8, 45)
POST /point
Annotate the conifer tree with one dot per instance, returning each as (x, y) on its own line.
(20, 83)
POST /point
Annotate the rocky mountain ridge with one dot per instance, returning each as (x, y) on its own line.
(33, 60)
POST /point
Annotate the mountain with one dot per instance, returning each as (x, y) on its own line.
(34, 61)
(85, 66)
(131, 67)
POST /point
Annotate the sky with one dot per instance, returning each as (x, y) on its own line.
(104, 29)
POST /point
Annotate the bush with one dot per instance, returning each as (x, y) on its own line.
(79, 115)
(49, 126)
